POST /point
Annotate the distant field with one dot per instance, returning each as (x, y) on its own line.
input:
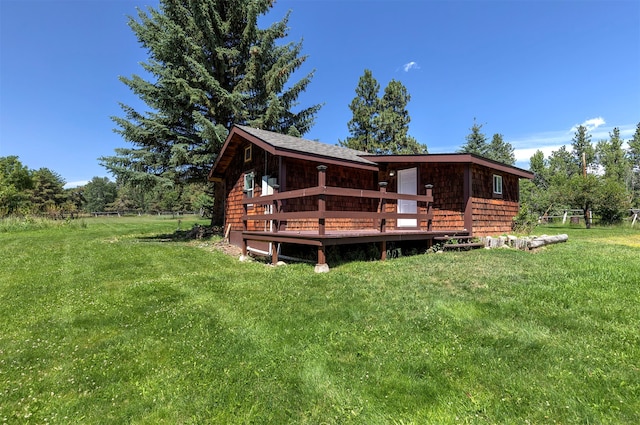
(109, 320)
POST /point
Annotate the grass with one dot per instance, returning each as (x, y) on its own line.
(107, 323)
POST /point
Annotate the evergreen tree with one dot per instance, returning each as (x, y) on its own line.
(500, 151)
(611, 156)
(581, 144)
(633, 154)
(476, 141)
(365, 107)
(380, 125)
(634, 149)
(392, 123)
(538, 165)
(47, 194)
(99, 193)
(212, 67)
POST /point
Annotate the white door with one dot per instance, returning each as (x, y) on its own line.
(408, 185)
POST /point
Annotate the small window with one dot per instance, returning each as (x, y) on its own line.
(249, 184)
(497, 184)
(247, 153)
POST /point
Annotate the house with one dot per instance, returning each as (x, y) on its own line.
(281, 189)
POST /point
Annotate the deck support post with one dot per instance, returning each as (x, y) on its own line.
(322, 202)
(383, 250)
(274, 253)
(321, 266)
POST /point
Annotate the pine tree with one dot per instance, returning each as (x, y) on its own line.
(365, 107)
(633, 153)
(47, 193)
(581, 144)
(500, 151)
(611, 156)
(392, 123)
(476, 141)
(380, 125)
(212, 67)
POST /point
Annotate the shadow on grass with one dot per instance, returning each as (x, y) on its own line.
(197, 232)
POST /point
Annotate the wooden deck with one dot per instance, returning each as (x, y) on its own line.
(345, 237)
(323, 236)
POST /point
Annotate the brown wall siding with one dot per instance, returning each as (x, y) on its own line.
(493, 214)
(303, 174)
(447, 181)
(234, 184)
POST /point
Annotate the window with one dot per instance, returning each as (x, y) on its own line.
(497, 184)
(249, 184)
(247, 153)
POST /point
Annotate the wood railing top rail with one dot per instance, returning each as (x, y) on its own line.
(335, 191)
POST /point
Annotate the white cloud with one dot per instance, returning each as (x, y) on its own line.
(590, 124)
(72, 185)
(409, 66)
(549, 141)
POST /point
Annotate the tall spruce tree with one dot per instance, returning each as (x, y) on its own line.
(633, 153)
(476, 141)
(211, 67)
(364, 106)
(581, 144)
(500, 151)
(392, 122)
(611, 156)
(380, 125)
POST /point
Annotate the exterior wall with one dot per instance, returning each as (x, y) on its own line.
(299, 174)
(303, 174)
(492, 213)
(448, 189)
(261, 163)
(448, 202)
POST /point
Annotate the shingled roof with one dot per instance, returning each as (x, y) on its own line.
(291, 143)
(289, 146)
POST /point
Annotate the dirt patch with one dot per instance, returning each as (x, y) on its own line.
(227, 248)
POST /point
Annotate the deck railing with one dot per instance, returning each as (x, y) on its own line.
(380, 217)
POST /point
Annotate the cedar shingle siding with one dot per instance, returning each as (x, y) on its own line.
(296, 160)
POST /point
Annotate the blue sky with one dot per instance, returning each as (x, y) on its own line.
(530, 70)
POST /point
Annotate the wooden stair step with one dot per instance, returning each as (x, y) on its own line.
(463, 245)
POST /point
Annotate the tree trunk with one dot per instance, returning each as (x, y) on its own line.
(586, 216)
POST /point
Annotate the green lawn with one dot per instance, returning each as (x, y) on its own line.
(102, 321)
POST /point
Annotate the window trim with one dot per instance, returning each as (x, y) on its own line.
(247, 153)
(497, 185)
(249, 177)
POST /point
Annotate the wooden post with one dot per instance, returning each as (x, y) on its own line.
(322, 206)
(382, 206)
(429, 196)
(276, 209)
(244, 225)
(383, 221)
(467, 190)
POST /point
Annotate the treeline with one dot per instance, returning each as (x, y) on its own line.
(41, 192)
(603, 179)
